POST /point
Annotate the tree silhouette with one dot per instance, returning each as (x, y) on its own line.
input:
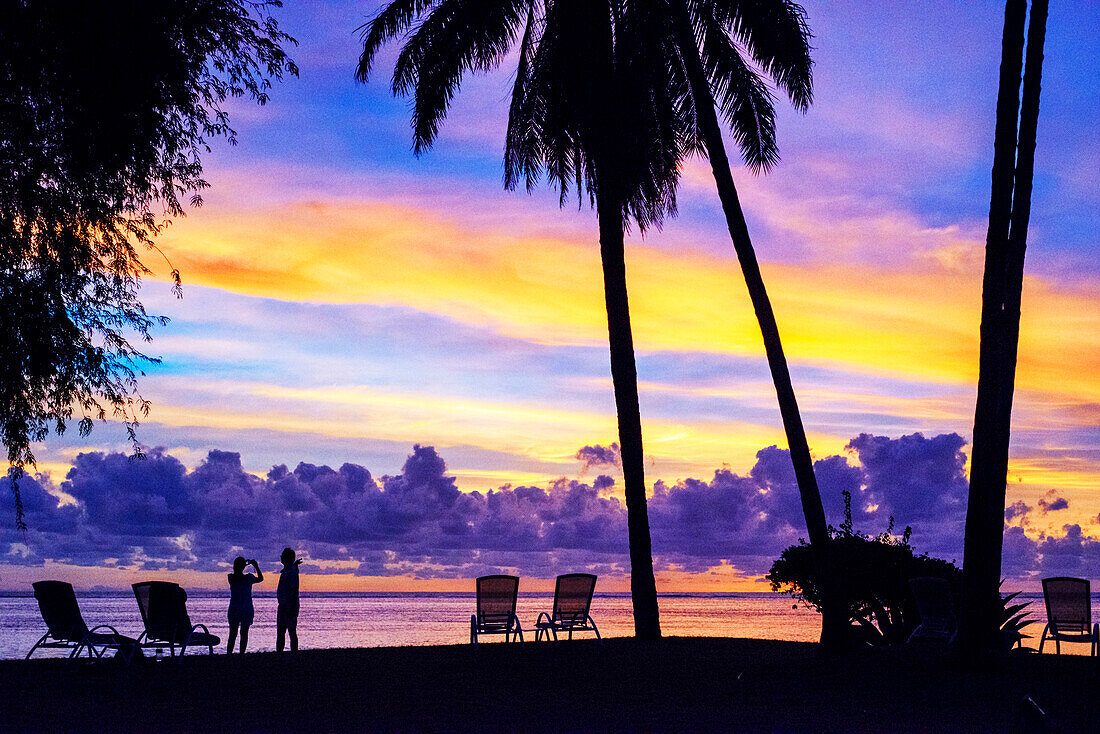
(584, 113)
(1002, 286)
(704, 43)
(105, 108)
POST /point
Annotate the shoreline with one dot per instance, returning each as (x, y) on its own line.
(676, 684)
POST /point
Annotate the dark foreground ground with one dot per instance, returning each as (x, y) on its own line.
(679, 684)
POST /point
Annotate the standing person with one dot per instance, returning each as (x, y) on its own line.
(241, 610)
(287, 619)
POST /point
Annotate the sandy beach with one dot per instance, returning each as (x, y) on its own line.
(678, 684)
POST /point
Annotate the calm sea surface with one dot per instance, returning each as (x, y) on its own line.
(418, 618)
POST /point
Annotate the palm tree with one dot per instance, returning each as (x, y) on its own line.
(584, 116)
(700, 40)
(1006, 243)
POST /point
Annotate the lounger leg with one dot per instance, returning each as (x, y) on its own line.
(35, 647)
(473, 629)
(594, 629)
(1043, 639)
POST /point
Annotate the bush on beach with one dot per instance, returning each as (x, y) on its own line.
(872, 578)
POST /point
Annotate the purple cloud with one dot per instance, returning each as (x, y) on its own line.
(1070, 555)
(1019, 554)
(920, 482)
(1059, 503)
(154, 514)
(598, 455)
(1019, 509)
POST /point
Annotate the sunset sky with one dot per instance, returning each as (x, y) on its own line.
(345, 300)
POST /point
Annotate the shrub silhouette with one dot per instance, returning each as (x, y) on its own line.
(871, 576)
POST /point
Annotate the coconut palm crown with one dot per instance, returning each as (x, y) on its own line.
(577, 96)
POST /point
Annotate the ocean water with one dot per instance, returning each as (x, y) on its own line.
(431, 618)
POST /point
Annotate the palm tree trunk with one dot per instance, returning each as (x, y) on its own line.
(1025, 173)
(833, 620)
(624, 376)
(992, 413)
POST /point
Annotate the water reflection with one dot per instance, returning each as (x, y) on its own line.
(372, 620)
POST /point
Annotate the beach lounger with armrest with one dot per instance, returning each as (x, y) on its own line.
(66, 628)
(496, 609)
(1069, 613)
(572, 601)
(163, 606)
(937, 613)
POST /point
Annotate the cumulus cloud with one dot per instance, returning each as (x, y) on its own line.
(1073, 554)
(1058, 503)
(1017, 509)
(155, 514)
(599, 455)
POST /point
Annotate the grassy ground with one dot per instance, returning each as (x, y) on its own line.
(678, 684)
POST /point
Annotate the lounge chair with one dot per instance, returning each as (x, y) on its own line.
(572, 601)
(937, 613)
(163, 606)
(66, 627)
(496, 609)
(1069, 613)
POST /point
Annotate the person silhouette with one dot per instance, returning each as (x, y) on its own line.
(241, 611)
(287, 593)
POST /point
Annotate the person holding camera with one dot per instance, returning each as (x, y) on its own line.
(241, 611)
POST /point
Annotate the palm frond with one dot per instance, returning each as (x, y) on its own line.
(522, 153)
(457, 36)
(741, 94)
(592, 94)
(566, 103)
(777, 37)
(390, 21)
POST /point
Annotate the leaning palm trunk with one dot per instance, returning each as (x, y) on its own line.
(833, 618)
(1006, 242)
(624, 376)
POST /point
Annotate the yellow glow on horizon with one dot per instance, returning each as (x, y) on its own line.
(522, 428)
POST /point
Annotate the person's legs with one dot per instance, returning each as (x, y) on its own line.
(281, 622)
(292, 628)
(232, 637)
(244, 636)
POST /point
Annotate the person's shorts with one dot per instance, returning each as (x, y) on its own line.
(287, 615)
(242, 617)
